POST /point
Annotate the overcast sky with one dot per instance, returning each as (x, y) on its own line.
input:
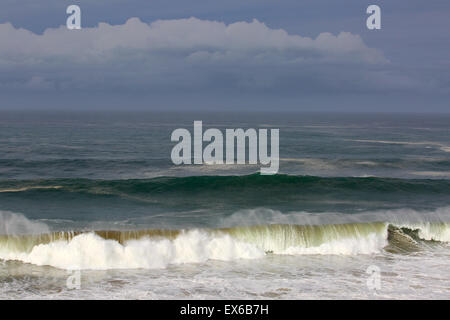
(301, 55)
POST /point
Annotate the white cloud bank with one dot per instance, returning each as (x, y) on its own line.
(172, 56)
(187, 36)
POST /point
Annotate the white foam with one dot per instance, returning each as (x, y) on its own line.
(399, 217)
(21, 189)
(370, 244)
(441, 146)
(432, 173)
(431, 231)
(12, 223)
(89, 251)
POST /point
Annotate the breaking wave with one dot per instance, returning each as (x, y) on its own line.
(160, 248)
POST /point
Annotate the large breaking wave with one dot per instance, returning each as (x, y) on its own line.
(160, 248)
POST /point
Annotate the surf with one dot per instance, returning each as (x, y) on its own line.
(250, 190)
(160, 248)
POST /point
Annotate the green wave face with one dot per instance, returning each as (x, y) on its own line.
(278, 191)
(193, 184)
(275, 238)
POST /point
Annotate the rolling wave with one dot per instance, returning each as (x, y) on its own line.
(280, 183)
(160, 248)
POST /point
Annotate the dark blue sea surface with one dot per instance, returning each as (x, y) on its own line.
(90, 166)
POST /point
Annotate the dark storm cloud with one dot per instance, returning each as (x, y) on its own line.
(214, 60)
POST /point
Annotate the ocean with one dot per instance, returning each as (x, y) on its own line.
(92, 207)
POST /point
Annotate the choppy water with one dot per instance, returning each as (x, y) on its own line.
(97, 192)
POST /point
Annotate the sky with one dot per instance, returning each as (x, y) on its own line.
(308, 55)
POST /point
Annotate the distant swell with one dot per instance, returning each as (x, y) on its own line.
(250, 190)
(160, 248)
